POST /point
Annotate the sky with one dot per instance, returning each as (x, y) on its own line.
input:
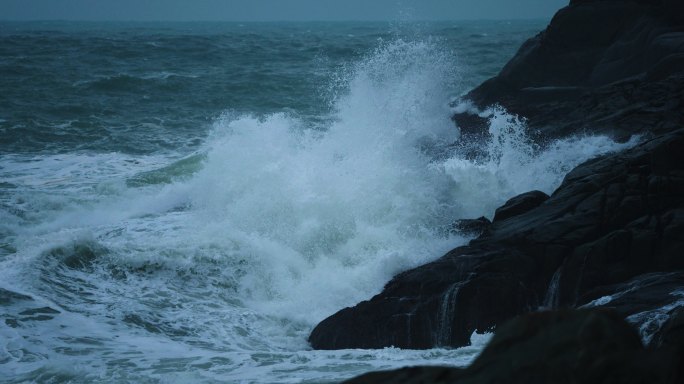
(276, 10)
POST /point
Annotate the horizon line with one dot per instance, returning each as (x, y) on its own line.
(268, 21)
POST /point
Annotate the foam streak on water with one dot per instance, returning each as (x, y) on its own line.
(215, 266)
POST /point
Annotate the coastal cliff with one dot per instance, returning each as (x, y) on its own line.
(601, 67)
(612, 235)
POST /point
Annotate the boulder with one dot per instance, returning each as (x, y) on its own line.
(553, 347)
(672, 333)
(520, 204)
(471, 227)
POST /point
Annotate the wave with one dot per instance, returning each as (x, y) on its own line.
(127, 82)
(275, 224)
(325, 217)
(179, 170)
(317, 217)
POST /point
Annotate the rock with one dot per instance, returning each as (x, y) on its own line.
(672, 333)
(612, 219)
(607, 66)
(646, 301)
(422, 375)
(671, 338)
(472, 123)
(568, 347)
(642, 293)
(8, 297)
(471, 227)
(553, 347)
(520, 204)
(438, 304)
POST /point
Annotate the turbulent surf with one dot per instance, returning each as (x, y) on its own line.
(184, 202)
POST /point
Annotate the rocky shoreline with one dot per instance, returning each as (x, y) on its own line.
(610, 239)
(580, 346)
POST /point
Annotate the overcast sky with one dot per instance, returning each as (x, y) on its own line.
(269, 10)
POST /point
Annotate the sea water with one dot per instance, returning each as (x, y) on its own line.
(185, 202)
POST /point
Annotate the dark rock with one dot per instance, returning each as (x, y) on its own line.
(642, 293)
(646, 300)
(671, 338)
(568, 347)
(438, 304)
(423, 375)
(471, 227)
(471, 123)
(613, 218)
(553, 347)
(611, 67)
(672, 333)
(520, 204)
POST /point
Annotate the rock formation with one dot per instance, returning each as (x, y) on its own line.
(601, 66)
(557, 347)
(614, 223)
(611, 235)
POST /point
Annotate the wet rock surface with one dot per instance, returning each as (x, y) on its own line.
(612, 67)
(471, 227)
(520, 204)
(584, 346)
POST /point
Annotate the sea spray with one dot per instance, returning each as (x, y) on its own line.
(214, 263)
(328, 216)
(508, 162)
(324, 218)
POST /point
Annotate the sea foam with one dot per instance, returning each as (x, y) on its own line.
(307, 219)
(230, 256)
(323, 218)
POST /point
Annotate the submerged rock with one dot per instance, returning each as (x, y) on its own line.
(555, 347)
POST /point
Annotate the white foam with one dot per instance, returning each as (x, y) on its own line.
(652, 321)
(322, 218)
(603, 300)
(514, 164)
(285, 224)
(325, 218)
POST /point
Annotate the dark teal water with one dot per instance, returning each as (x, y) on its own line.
(184, 202)
(143, 88)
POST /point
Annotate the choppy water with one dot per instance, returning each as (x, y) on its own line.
(184, 202)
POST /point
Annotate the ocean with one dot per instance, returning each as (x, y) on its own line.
(184, 202)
